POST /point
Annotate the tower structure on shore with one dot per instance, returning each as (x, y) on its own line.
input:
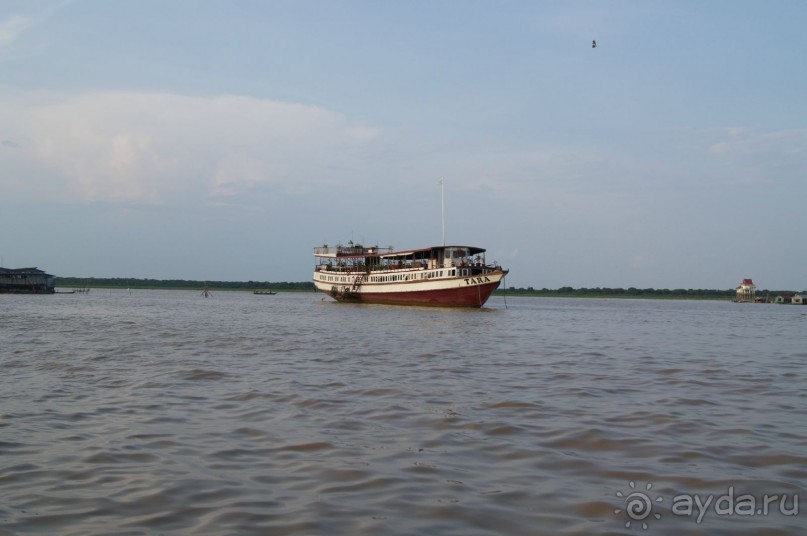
(746, 291)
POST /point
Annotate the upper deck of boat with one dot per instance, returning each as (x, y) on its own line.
(352, 251)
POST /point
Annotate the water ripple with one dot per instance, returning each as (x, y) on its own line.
(163, 413)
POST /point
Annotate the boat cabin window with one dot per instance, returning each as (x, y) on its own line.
(456, 257)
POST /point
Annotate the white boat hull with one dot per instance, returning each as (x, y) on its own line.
(410, 289)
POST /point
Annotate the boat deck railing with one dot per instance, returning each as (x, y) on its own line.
(416, 266)
(349, 251)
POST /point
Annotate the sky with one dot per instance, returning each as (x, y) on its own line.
(223, 141)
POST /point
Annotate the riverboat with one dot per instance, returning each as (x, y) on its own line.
(441, 276)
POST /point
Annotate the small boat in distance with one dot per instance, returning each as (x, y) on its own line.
(264, 291)
(440, 276)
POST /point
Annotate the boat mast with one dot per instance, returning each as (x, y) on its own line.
(443, 210)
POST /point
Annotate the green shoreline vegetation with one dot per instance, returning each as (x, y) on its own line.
(179, 284)
(639, 293)
(307, 286)
(629, 293)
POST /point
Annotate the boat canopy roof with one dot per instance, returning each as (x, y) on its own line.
(358, 251)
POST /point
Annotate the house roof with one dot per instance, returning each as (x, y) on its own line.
(22, 271)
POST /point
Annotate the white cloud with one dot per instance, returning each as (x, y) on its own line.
(11, 29)
(787, 143)
(532, 174)
(753, 156)
(152, 147)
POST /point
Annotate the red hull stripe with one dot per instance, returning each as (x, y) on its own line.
(470, 296)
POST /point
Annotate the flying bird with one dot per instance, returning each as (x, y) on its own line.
(594, 44)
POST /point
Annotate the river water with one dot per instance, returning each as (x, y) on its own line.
(162, 412)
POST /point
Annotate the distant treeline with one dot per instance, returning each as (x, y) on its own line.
(632, 292)
(562, 292)
(123, 282)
